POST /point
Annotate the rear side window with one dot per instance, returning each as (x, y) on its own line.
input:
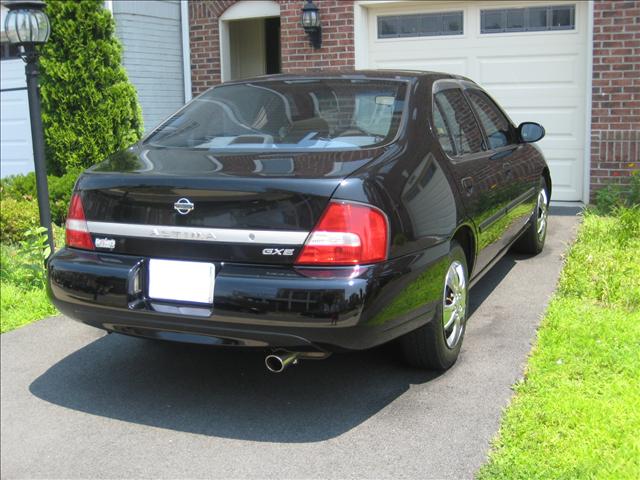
(496, 126)
(459, 119)
(442, 131)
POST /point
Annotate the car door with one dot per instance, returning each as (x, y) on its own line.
(478, 175)
(519, 181)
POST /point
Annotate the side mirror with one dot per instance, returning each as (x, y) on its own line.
(530, 132)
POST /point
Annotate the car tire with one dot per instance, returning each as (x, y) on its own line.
(435, 346)
(532, 240)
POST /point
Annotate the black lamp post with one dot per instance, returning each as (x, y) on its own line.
(311, 23)
(27, 26)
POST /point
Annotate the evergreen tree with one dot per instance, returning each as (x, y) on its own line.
(89, 107)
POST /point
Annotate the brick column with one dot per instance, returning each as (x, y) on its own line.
(615, 128)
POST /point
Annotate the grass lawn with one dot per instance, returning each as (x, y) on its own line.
(23, 298)
(20, 306)
(576, 414)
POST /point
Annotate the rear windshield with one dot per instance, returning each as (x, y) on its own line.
(288, 115)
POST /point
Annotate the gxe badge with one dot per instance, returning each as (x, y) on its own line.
(183, 206)
(287, 252)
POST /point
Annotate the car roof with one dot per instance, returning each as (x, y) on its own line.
(405, 75)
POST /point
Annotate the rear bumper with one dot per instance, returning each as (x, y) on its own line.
(254, 305)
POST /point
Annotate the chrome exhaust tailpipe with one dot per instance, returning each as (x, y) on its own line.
(277, 362)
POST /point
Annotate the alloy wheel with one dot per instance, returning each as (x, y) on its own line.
(542, 211)
(454, 308)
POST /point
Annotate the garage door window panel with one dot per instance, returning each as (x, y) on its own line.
(531, 19)
(457, 114)
(420, 25)
(563, 17)
(515, 20)
(497, 128)
(430, 25)
(537, 19)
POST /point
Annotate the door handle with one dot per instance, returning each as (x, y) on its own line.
(467, 184)
(508, 170)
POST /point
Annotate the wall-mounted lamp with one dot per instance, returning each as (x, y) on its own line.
(311, 23)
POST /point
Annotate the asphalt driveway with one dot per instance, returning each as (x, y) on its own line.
(78, 403)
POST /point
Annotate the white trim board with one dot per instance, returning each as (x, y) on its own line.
(586, 188)
(186, 49)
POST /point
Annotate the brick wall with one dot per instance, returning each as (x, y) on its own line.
(297, 54)
(337, 37)
(615, 128)
(204, 42)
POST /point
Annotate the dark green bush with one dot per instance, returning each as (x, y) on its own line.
(89, 107)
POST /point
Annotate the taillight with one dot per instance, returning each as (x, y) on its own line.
(76, 230)
(347, 234)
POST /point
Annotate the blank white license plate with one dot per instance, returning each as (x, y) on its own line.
(181, 281)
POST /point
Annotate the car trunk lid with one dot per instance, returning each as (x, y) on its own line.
(189, 204)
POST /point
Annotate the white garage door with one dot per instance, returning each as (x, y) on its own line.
(16, 155)
(531, 56)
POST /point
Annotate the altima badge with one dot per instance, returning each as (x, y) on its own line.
(183, 206)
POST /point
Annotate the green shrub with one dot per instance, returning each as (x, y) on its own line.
(17, 217)
(23, 296)
(23, 264)
(60, 190)
(19, 187)
(89, 107)
(23, 187)
(614, 196)
(58, 236)
(608, 198)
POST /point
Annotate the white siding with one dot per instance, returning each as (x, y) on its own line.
(150, 32)
(16, 154)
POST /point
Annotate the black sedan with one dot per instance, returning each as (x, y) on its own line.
(306, 214)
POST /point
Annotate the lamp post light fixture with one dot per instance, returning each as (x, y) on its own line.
(27, 27)
(311, 23)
